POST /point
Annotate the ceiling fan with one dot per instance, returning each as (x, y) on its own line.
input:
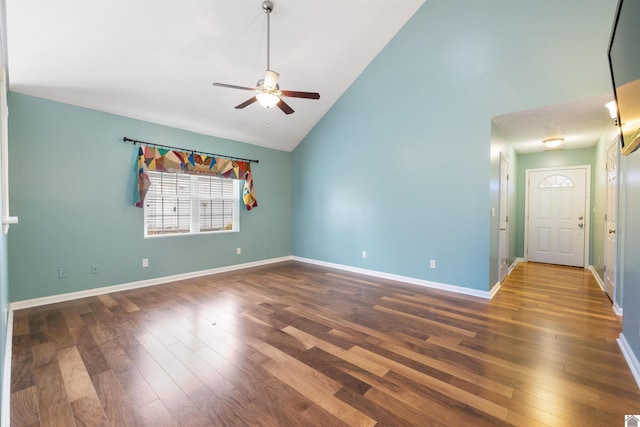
(269, 92)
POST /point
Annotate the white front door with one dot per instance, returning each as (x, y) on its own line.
(611, 213)
(558, 215)
(504, 218)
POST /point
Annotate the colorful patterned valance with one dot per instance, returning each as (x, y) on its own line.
(174, 161)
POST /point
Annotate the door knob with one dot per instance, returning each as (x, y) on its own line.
(580, 225)
(580, 218)
(612, 231)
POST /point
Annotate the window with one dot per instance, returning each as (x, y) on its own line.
(190, 204)
(555, 181)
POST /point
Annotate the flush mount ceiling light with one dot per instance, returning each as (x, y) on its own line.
(269, 92)
(553, 142)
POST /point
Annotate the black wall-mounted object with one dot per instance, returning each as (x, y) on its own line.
(624, 63)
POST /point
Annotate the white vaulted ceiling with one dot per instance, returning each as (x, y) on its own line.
(156, 60)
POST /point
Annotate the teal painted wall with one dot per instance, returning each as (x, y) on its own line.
(621, 234)
(4, 282)
(401, 165)
(72, 185)
(552, 159)
(630, 224)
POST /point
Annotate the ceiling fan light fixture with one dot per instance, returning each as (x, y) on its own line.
(268, 100)
(553, 142)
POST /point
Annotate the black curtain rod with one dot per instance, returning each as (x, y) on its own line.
(135, 141)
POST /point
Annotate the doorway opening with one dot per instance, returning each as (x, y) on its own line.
(557, 202)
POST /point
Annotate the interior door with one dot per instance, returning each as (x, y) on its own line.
(610, 220)
(504, 218)
(557, 216)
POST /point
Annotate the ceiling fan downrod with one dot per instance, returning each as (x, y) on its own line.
(267, 6)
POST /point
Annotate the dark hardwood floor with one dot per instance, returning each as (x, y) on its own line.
(298, 345)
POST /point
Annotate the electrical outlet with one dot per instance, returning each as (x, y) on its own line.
(364, 254)
(238, 251)
(95, 269)
(145, 262)
(432, 263)
(62, 273)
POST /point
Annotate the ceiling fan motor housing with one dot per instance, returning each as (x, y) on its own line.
(271, 79)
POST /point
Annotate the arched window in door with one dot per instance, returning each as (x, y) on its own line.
(555, 181)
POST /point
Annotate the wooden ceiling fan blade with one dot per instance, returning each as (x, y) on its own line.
(247, 102)
(297, 94)
(284, 107)
(234, 86)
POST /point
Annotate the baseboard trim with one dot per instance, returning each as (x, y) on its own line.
(398, 278)
(617, 309)
(596, 276)
(494, 290)
(6, 373)
(36, 302)
(497, 286)
(630, 357)
(514, 264)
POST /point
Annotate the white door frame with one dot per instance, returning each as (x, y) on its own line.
(613, 274)
(503, 241)
(587, 215)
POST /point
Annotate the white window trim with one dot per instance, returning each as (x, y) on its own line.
(4, 152)
(195, 200)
